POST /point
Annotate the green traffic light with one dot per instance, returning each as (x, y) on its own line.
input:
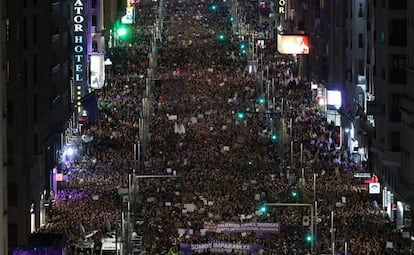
(294, 193)
(241, 115)
(263, 209)
(213, 7)
(262, 101)
(243, 48)
(274, 138)
(122, 31)
(308, 238)
(231, 18)
(221, 37)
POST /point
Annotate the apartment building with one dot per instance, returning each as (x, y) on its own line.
(38, 106)
(389, 105)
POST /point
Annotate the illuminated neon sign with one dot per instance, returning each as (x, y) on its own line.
(79, 47)
(282, 6)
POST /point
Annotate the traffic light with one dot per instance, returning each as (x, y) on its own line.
(221, 37)
(263, 5)
(263, 208)
(122, 32)
(294, 193)
(262, 100)
(213, 7)
(241, 115)
(308, 238)
(231, 19)
(243, 49)
(273, 137)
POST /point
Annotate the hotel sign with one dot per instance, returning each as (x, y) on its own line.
(282, 6)
(79, 48)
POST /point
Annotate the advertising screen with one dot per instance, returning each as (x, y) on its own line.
(334, 98)
(97, 71)
(292, 44)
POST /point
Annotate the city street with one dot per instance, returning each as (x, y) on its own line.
(210, 142)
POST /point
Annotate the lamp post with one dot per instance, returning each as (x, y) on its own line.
(133, 186)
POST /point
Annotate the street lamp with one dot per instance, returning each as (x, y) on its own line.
(132, 178)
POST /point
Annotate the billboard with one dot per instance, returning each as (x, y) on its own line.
(293, 43)
(334, 99)
(97, 70)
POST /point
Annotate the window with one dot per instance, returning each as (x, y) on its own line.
(25, 33)
(397, 72)
(360, 40)
(10, 116)
(361, 67)
(10, 153)
(35, 144)
(94, 21)
(25, 72)
(12, 194)
(398, 4)
(12, 233)
(395, 113)
(360, 11)
(398, 32)
(35, 68)
(394, 141)
(35, 109)
(34, 29)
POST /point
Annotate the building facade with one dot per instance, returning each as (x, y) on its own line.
(38, 107)
(407, 117)
(3, 132)
(390, 102)
(45, 78)
(364, 49)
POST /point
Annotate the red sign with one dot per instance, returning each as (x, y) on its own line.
(373, 179)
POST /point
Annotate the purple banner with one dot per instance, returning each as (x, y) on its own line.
(219, 248)
(238, 227)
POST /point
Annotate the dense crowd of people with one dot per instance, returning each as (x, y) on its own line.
(224, 165)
